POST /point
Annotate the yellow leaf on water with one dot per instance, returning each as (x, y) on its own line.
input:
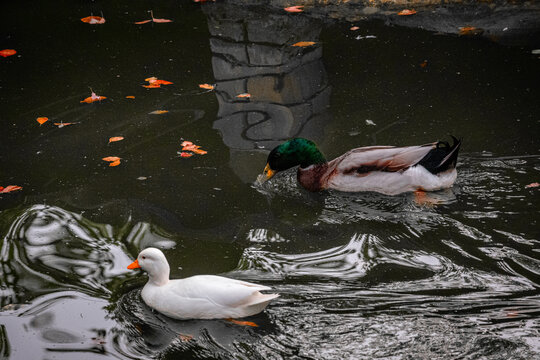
(159, 112)
(244, 95)
(111, 158)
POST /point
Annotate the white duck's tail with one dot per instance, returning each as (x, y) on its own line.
(257, 302)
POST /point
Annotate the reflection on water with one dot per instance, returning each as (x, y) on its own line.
(288, 86)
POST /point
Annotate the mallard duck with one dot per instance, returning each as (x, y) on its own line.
(200, 296)
(385, 169)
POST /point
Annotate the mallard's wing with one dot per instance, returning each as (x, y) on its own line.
(381, 158)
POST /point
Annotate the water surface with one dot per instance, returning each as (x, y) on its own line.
(360, 275)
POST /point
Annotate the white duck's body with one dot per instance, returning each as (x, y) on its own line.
(198, 297)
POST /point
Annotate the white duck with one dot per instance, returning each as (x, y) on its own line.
(200, 296)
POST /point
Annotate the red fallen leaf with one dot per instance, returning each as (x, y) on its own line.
(532, 185)
(153, 19)
(243, 323)
(354, 28)
(162, 82)
(154, 82)
(42, 120)
(93, 98)
(199, 151)
(142, 22)
(189, 146)
(244, 95)
(115, 138)
(130, 97)
(9, 188)
(304, 43)
(406, 12)
(470, 30)
(185, 154)
(111, 158)
(158, 112)
(206, 86)
(294, 9)
(161, 20)
(94, 20)
(62, 124)
(7, 52)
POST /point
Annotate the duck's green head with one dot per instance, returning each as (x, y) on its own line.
(297, 151)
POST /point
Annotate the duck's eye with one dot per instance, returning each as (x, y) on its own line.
(144, 257)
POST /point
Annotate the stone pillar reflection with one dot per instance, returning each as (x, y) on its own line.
(253, 53)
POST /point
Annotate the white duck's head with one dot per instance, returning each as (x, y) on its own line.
(154, 262)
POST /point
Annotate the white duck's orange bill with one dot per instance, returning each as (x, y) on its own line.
(134, 265)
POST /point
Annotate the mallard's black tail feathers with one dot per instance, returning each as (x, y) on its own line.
(442, 157)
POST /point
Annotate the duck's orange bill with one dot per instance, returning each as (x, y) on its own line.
(134, 265)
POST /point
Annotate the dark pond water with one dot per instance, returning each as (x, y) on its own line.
(360, 275)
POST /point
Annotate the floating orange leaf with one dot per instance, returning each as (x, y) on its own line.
(244, 95)
(406, 12)
(115, 138)
(423, 64)
(206, 86)
(42, 120)
(243, 323)
(304, 43)
(130, 97)
(9, 188)
(532, 185)
(199, 151)
(93, 98)
(154, 82)
(194, 149)
(93, 20)
(113, 160)
(159, 112)
(354, 28)
(470, 30)
(153, 19)
(294, 9)
(7, 52)
(62, 124)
